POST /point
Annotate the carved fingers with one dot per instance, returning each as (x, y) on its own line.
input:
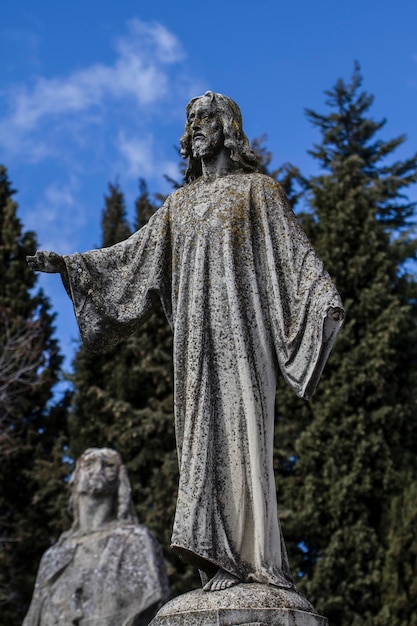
(49, 262)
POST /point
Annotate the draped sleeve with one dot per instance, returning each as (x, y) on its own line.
(299, 292)
(115, 289)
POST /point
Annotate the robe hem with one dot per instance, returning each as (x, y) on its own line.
(210, 567)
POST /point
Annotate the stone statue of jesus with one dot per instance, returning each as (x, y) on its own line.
(246, 297)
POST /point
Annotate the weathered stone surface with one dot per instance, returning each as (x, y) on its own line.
(241, 605)
(243, 287)
(246, 297)
(107, 568)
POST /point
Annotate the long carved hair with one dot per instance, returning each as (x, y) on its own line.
(235, 139)
(125, 512)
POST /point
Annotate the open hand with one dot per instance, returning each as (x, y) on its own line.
(49, 262)
(335, 313)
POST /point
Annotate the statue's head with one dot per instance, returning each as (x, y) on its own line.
(100, 473)
(222, 119)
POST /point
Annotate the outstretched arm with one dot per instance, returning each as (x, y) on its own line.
(51, 263)
(115, 289)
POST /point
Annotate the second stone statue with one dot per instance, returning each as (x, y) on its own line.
(107, 570)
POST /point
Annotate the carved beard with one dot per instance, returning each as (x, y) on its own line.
(203, 146)
(200, 147)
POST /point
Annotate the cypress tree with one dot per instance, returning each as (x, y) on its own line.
(114, 224)
(347, 483)
(32, 435)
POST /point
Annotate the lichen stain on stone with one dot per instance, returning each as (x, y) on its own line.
(246, 290)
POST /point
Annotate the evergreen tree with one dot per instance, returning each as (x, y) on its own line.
(114, 222)
(124, 400)
(286, 175)
(346, 486)
(32, 432)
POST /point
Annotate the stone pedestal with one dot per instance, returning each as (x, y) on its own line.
(243, 605)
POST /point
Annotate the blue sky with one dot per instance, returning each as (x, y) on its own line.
(92, 92)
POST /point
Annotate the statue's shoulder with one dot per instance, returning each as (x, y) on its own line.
(179, 193)
(271, 189)
(56, 558)
(263, 180)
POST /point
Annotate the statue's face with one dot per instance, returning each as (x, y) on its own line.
(98, 474)
(206, 129)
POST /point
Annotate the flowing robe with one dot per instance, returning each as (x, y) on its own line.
(246, 296)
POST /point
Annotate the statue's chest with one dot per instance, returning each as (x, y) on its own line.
(87, 555)
(210, 209)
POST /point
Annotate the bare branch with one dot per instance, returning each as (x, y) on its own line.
(21, 357)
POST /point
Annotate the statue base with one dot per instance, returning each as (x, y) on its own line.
(250, 604)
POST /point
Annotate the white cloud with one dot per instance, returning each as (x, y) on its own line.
(139, 73)
(147, 39)
(138, 154)
(141, 156)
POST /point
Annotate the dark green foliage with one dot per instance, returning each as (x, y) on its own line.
(32, 433)
(114, 224)
(124, 400)
(399, 580)
(287, 175)
(346, 484)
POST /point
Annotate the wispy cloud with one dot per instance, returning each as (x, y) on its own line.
(138, 153)
(140, 76)
(142, 155)
(137, 72)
